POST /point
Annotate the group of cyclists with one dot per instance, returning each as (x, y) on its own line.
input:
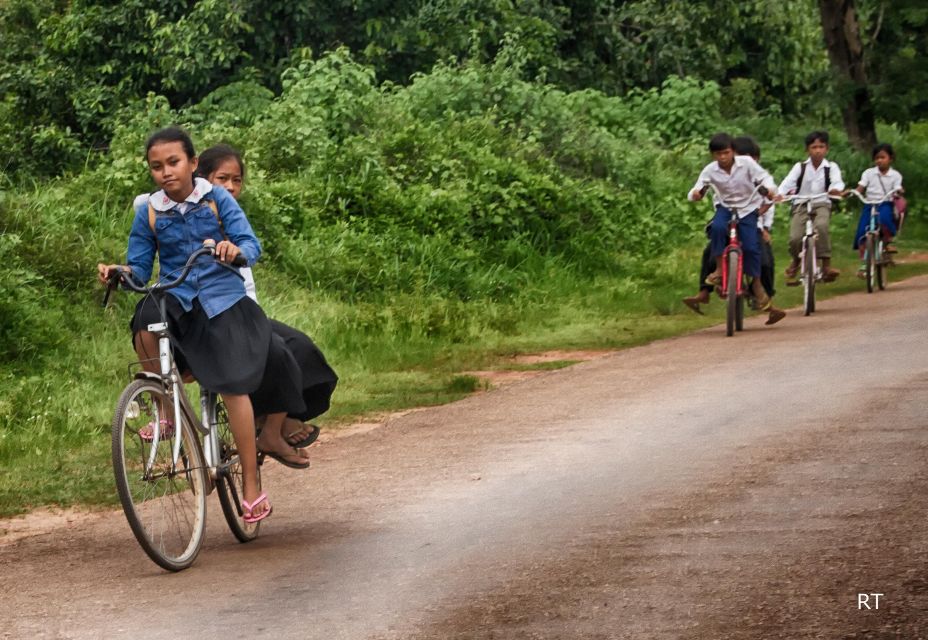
(741, 184)
(273, 379)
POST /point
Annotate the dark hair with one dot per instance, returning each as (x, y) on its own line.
(746, 146)
(817, 136)
(211, 158)
(884, 146)
(170, 134)
(720, 142)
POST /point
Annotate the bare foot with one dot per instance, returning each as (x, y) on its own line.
(278, 449)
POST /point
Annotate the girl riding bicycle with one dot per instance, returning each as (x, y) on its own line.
(879, 182)
(219, 334)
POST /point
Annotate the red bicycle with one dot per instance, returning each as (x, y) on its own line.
(732, 288)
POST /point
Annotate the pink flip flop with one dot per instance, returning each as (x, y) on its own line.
(147, 433)
(249, 516)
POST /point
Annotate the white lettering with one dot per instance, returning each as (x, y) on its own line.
(863, 600)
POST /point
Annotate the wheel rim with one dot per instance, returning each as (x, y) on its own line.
(165, 505)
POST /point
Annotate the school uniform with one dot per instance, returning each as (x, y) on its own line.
(736, 188)
(217, 332)
(814, 180)
(878, 186)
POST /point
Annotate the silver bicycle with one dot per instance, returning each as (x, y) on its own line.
(875, 258)
(810, 272)
(166, 459)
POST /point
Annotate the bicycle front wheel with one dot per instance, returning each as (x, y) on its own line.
(808, 277)
(871, 263)
(880, 262)
(732, 298)
(229, 480)
(164, 503)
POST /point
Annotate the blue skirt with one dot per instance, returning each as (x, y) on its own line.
(887, 220)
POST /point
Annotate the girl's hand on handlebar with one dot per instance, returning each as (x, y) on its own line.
(696, 195)
(106, 271)
(227, 252)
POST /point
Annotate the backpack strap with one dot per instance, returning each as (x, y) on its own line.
(802, 173)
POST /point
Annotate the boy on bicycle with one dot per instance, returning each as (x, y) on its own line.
(744, 146)
(814, 175)
(743, 184)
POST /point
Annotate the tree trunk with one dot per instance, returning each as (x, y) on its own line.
(845, 49)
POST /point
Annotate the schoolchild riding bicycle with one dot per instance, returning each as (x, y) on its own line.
(735, 180)
(814, 175)
(744, 146)
(219, 333)
(879, 183)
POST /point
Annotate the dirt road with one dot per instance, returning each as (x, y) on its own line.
(701, 487)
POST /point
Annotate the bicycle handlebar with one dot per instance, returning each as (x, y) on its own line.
(887, 198)
(125, 275)
(761, 189)
(798, 199)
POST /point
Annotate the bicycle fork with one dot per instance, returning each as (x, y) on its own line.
(208, 419)
(164, 357)
(808, 247)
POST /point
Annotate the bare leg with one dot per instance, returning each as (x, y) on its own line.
(146, 347)
(759, 294)
(242, 425)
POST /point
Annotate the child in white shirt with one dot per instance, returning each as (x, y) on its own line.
(878, 183)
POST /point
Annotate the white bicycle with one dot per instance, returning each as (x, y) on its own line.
(165, 458)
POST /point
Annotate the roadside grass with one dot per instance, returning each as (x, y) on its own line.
(407, 351)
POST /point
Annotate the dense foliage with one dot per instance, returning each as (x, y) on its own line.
(69, 70)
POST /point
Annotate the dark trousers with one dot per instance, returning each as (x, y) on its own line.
(747, 233)
(767, 269)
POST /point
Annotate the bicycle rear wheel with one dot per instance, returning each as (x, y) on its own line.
(731, 315)
(164, 504)
(229, 478)
(870, 263)
(808, 276)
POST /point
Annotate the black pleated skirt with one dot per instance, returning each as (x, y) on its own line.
(318, 380)
(235, 352)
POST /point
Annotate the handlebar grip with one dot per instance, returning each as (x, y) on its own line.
(106, 296)
(240, 261)
(111, 285)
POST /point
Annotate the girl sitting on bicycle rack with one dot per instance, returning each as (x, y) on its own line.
(223, 165)
(878, 183)
(219, 334)
(736, 180)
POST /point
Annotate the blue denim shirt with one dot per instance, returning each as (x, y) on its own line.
(179, 235)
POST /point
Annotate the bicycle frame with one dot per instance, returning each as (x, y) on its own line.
(170, 378)
(174, 388)
(734, 245)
